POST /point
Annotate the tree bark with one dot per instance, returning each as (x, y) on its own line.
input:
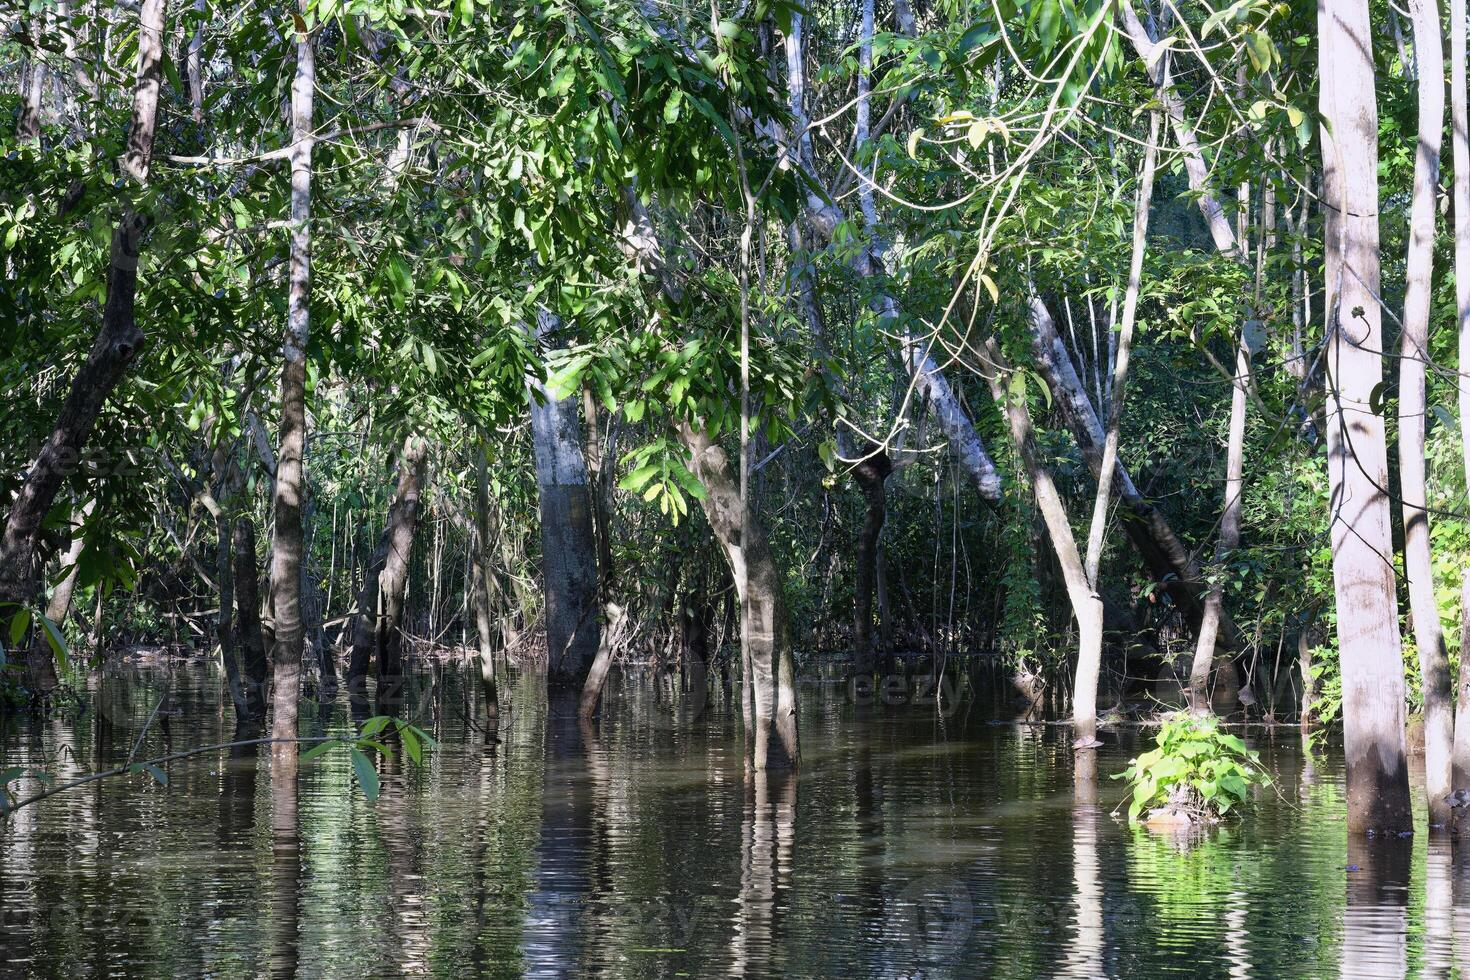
(568, 541)
(376, 633)
(1085, 773)
(1166, 557)
(1357, 464)
(871, 474)
(32, 83)
(1434, 667)
(482, 582)
(1460, 147)
(249, 636)
(290, 485)
(1087, 605)
(117, 343)
(769, 665)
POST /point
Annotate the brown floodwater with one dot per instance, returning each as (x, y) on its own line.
(914, 843)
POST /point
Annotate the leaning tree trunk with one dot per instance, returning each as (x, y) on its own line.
(290, 486)
(1087, 605)
(770, 667)
(568, 541)
(376, 633)
(1357, 452)
(1434, 667)
(1167, 558)
(117, 343)
(868, 262)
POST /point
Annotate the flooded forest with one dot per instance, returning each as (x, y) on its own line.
(624, 488)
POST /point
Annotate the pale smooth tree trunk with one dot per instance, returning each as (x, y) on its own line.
(1229, 537)
(1434, 667)
(117, 344)
(1092, 658)
(376, 635)
(770, 668)
(1357, 452)
(290, 485)
(1460, 146)
(568, 539)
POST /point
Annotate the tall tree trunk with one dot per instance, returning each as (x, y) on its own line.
(769, 665)
(32, 83)
(117, 343)
(1085, 774)
(1087, 605)
(249, 636)
(871, 474)
(1357, 464)
(568, 541)
(221, 508)
(1460, 145)
(290, 486)
(1434, 667)
(482, 582)
(376, 628)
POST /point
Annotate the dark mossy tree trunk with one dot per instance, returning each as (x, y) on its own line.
(1357, 451)
(249, 639)
(769, 665)
(568, 539)
(117, 344)
(871, 474)
(290, 486)
(221, 508)
(376, 627)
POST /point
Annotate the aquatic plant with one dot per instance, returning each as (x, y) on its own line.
(1197, 773)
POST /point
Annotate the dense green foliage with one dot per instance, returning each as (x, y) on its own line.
(1195, 769)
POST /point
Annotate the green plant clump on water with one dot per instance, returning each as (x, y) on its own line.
(1196, 774)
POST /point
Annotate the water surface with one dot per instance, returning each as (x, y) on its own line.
(912, 844)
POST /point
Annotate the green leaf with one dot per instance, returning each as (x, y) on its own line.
(319, 749)
(410, 743)
(159, 776)
(18, 624)
(57, 642)
(367, 775)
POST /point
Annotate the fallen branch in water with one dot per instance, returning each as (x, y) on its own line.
(150, 765)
